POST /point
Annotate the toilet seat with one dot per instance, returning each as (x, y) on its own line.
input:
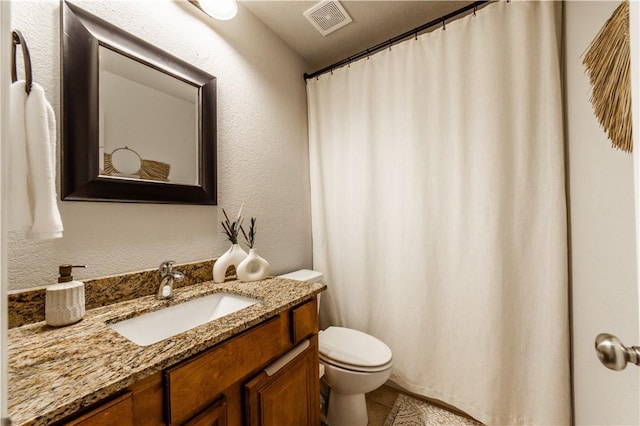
(353, 350)
(355, 368)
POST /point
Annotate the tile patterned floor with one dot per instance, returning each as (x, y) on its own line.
(379, 403)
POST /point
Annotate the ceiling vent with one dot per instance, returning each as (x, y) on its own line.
(327, 16)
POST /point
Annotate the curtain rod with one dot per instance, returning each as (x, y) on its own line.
(414, 32)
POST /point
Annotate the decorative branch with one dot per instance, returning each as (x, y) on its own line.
(231, 229)
(253, 229)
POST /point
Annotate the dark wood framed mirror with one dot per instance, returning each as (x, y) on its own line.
(138, 124)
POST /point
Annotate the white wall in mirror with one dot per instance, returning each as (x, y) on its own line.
(156, 127)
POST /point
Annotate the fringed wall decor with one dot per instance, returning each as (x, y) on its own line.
(608, 65)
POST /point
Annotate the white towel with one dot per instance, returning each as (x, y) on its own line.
(39, 130)
(19, 205)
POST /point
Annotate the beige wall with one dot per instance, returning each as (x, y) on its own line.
(603, 262)
(262, 147)
(5, 43)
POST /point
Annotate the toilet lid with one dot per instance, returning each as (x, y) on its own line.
(353, 347)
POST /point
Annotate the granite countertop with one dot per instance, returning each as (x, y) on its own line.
(54, 372)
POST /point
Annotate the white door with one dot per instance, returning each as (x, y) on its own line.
(602, 240)
(612, 352)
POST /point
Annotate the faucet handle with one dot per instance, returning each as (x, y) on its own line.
(166, 267)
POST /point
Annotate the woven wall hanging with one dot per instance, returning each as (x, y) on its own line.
(608, 65)
(149, 169)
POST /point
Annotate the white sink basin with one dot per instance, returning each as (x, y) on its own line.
(150, 328)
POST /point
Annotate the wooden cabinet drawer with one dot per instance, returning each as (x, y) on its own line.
(118, 411)
(193, 384)
(304, 320)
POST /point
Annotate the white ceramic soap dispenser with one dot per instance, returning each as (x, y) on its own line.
(64, 303)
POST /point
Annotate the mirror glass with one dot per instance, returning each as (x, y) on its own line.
(138, 124)
(145, 137)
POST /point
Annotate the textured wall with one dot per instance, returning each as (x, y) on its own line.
(604, 289)
(262, 147)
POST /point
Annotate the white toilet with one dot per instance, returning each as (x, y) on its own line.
(355, 363)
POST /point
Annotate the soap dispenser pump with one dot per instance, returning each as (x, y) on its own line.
(64, 303)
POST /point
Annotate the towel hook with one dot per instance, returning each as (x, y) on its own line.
(17, 38)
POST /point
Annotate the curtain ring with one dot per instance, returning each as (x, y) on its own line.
(389, 45)
(444, 25)
(416, 38)
(475, 8)
(367, 54)
(331, 71)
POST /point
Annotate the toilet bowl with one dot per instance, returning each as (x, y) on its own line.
(354, 363)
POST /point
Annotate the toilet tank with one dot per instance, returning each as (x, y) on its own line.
(304, 275)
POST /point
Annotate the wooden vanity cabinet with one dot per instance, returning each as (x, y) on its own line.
(147, 395)
(118, 411)
(287, 394)
(227, 384)
(192, 385)
(288, 391)
(214, 415)
(140, 405)
(304, 320)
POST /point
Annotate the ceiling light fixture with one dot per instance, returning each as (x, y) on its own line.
(219, 9)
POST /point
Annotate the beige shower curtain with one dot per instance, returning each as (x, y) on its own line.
(438, 210)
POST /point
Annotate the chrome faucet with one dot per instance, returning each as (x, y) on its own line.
(167, 277)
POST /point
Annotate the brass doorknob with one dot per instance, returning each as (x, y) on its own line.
(613, 354)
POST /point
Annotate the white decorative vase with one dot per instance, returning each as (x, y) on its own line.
(252, 268)
(233, 256)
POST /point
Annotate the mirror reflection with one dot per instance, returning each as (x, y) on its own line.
(138, 124)
(153, 135)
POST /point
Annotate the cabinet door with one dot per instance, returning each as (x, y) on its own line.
(286, 393)
(214, 415)
(147, 401)
(118, 411)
